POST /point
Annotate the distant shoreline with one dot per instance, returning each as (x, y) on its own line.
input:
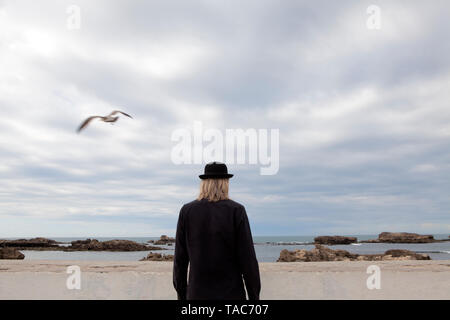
(154, 243)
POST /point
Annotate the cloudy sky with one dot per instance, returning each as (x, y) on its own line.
(363, 115)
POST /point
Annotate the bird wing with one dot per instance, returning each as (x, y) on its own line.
(118, 111)
(86, 122)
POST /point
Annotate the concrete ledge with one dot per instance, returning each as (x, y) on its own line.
(28, 279)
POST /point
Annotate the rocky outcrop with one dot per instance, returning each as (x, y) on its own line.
(111, 245)
(402, 237)
(332, 240)
(163, 240)
(11, 253)
(321, 253)
(400, 254)
(43, 244)
(29, 243)
(157, 257)
(283, 243)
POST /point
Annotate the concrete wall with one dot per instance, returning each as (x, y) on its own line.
(153, 280)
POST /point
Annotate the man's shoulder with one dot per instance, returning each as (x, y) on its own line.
(234, 204)
(189, 204)
(228, 203)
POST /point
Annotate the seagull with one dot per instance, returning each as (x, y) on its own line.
(109, 118)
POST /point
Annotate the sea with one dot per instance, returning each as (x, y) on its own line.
(267, 248)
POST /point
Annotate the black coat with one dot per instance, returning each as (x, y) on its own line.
(214, 238)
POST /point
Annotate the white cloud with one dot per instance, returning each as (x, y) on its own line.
(363, 116)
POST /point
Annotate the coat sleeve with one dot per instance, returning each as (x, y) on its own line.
(181, 259)
(247, 259)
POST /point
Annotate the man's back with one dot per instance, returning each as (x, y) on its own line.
(215, 238)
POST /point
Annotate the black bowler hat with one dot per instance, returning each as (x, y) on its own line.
(216, 170)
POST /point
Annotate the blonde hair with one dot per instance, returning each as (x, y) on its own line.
(213, 189)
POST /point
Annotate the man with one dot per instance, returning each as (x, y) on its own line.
(214, 238)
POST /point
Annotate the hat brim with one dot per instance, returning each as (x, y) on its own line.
(215, 176)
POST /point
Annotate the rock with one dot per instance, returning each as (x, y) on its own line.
(288, 256)
(371, 241)
(111, 245)
(321, 253)
(157, 257)
(164, 240)
(11, 253)
(29, 243)
(282, 243)
(404, 237)
(43, 244)
(405, 254)
(331, 240)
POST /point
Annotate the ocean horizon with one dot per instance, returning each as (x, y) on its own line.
(267, 248)
(256, 238)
